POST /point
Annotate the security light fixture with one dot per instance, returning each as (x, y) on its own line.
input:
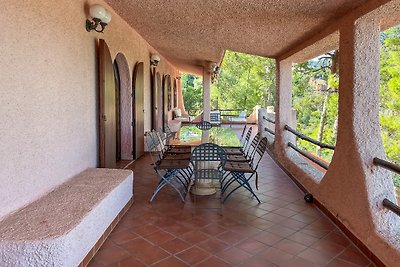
(99, 15)
(154, 60)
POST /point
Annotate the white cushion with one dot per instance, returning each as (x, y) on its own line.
(178, 112)
(243, 114)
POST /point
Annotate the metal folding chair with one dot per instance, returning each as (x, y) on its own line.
(238, 174)
(175, 172)
(248, 154)
(170, 149)
(240, 150)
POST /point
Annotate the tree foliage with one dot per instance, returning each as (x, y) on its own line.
(244, 82)
(192, 91)
(390, 95)
(315, 99)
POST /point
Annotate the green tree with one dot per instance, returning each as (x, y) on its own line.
(244, 82)
(315, 85)
(390, 96)
(192, 91)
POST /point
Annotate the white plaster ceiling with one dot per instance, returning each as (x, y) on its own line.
(190, 32)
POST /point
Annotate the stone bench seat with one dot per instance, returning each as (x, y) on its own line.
(62, 227)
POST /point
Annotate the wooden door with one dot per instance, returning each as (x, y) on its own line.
(107, 108)
(154, 100)
(117, 111)
(160, 106)
(138, 92)
(166, 98)
(175, 94)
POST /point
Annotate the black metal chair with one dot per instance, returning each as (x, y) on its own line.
(240, 150)
(174, 172)
(248, 154)
(162, 143)
(204, 125)
(238, 174)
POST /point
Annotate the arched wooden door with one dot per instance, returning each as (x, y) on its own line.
(138, 109)
(107, 108)
(175, 94)
(125, 107)
(166, 97)
(117, 111)
(160, 105)
(154, 99)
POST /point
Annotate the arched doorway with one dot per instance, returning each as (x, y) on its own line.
(175, 94)
(154, 98)
(138, 109)
(124, 111)
(107, 120)
(160, 102)
(166, 98)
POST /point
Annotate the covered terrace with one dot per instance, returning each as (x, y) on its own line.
(73, 101)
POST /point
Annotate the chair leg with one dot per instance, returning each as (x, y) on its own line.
(167, 179)
(243, 182)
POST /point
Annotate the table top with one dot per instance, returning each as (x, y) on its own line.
(223, 136)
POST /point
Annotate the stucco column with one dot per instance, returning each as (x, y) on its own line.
(283, 109)
(206, 92)
(353, 187)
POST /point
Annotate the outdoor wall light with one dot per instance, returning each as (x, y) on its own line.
(99, 15)
(154, 60)
(214, 73)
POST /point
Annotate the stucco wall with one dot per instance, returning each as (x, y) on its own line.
(48, 131)
(353, 188)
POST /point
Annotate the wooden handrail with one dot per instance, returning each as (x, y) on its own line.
(305, 154)
(391, 206)
(394, 168)
(269, 120)
(387, 165)
(308, 139)
(269, 131)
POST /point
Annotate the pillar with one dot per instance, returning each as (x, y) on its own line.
(283, 109)
(207, 91)
(354, 187)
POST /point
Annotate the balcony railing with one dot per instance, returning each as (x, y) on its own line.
(266, 128)
(305, 153)
(394, 168)
(225, 113)
(308, 139)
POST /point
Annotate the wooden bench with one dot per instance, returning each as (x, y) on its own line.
(64, 227)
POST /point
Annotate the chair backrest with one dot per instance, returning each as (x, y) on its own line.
(259, 152)
(167, 129)
(152, 143)
(162, 134)
(242, 135)
(160, 140)
(209, 152)
(253, 145)
(247, 138)
(204, 125)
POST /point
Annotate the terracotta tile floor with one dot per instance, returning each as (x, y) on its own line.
(282, 231)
